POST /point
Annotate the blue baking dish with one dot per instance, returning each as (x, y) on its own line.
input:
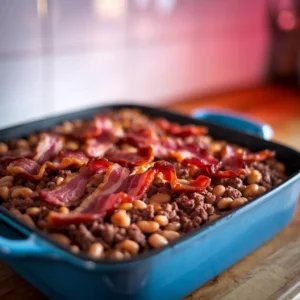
(168, 273)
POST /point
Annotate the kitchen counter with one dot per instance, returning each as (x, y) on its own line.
(273, 270)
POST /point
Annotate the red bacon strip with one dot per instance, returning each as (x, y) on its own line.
(25, 166)
(180, 185)
(70, 192)
(180, 131)
(185, 151)
(231, 165)
(76, 158)
(96, 148)
(140, 137)
(118, 187)
(10, 156)
(95, 128)
(15, 154)
(259, 156)
(169, 147)
(48, 146)
(31, 170)
(142, 156)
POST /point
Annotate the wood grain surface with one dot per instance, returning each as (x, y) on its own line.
(273, 270)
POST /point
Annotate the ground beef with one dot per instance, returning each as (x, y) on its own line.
(189, 224)
(193, 211)
(81, 236)
(185, 203)
(20, 204)
(198, 198)
(210, 209)
(270, 176)
(135, 234)
(106, 231)
(141, 214)
(120, 235)
(210, 198)
(236, 183)
(170, 211)
(232, 192)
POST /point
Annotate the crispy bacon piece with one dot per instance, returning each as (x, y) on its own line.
(10, 156)
(169, 147)
(140, 137)
(48, 146)
(231, 165)
(25, 167)
(259, 156)
(118, 187)
(78, 156)
(97, 148)
(185, 151)
(143, 156)
(180, 130)
(181, 185)
(15, 154)
(31, 170)
(94, 128)
(71, 192)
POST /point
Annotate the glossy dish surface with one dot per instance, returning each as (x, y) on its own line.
(136, 278)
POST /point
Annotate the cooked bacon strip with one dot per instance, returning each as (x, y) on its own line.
(10, 156)
(27, 167)
(15, 154)
(143, 156)
(70, 192)
(214, 169)
(140, 137)
(180, 130)
(94, 128)
(169, 147)
(97, 148)
(118, 187)
(68, 158)
(181, 151)
(230, 166)
(107, 204)
(31, 170)
(48, 146)
(181, 185)
(259, 156)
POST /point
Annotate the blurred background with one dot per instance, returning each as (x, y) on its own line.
(63, 55)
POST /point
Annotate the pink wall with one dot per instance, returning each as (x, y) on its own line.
(81, 53)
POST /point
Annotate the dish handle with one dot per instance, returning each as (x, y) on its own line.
(31, 245)
(20, 248)
(237, 121)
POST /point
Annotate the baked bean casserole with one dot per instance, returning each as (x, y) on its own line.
(123, 183)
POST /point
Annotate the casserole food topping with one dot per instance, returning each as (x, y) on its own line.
(123, 183)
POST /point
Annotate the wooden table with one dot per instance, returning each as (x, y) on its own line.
(272, 271)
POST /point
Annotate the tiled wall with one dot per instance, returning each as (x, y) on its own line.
(61, 55)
